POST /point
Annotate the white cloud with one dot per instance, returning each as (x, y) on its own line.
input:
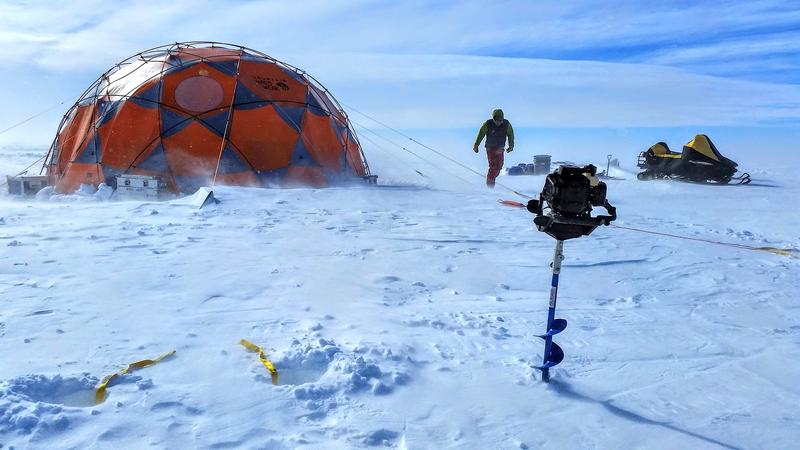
(72, 34)
(781, 43)
(425, 91)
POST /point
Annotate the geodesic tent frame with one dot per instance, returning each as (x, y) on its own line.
(206, 112)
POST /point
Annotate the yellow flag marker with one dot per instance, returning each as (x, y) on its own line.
(263, 358)
(101, 390)
(779, 251)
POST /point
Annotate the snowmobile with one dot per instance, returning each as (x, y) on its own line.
(522, 169)
(700, 162)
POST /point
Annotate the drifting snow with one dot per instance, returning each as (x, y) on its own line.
(400, 317)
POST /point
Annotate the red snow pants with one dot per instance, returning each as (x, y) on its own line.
(495, 157)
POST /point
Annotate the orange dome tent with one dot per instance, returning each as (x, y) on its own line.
(202, 113)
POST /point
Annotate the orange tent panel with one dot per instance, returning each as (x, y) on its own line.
(263, 137)
(198, 89)
(321, 140)
(268, 81)
(128, 135)
(354, 157)
(73, 135)
(194, 151)
(299, 176)
(77, 174)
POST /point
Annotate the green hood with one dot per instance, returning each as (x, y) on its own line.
(497, 114)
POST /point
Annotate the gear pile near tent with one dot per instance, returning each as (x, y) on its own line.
(200, 113)
(699, 162)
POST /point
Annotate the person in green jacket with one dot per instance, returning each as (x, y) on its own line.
(496, 130)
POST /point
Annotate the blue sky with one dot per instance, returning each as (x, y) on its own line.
(614, 65)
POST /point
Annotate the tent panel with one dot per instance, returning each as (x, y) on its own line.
(107, 109)
(153, 160)
(355, 162)
(198, 89)
(299, 77)
(301, 156)
(226, 67)
(172, 121)
(269, 81)
(303, 176)
(315, 103)
(132, 131)
(247, 179)
(320, 138)
(77, 174)
(128, 78)
(231, 162)
(92, 151)
(291, 114)
(148, 95)
(193, 152)
(216, 121)
(263, 137)
(247, 99)
(73, 134)
(328, 103)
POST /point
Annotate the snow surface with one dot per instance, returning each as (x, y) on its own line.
(401, 317)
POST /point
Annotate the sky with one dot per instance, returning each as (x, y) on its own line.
(612, 68)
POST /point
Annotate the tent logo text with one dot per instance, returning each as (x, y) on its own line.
(272, 84)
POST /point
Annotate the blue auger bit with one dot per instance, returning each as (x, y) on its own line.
(556, 354)
(559, 325)
(554, 358)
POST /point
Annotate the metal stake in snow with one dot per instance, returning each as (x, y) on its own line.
(569, 193)
(552, 352)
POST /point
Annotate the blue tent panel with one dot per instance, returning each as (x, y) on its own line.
(176, 64)
(293, 116)
(247, 99)
(231, 162)
(301, 156)
(155, 161)
(216, 122)
(92, 153)
(340, 130)
(226, 67)
(172, 122)
(314, 105)
(148, 98)
(106, 110)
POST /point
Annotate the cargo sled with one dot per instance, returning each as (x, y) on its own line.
(700, 162)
